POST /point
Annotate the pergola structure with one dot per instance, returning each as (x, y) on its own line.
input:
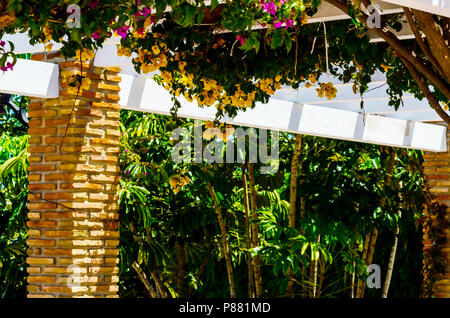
(74, 172)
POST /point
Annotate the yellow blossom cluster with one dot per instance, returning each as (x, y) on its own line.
(269, 85)
(178, 181)
(311, 80)
(217, 131)
(123, 51)
(154, 59)
(48, 37)
(77, 84)
(241, 99)
(327, 90)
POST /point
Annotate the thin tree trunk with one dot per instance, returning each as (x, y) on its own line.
(225, 246)
(145, 280)
(180, 271)
(390, 268)
(248, 233)
(314, 271)
(199, 273)
(293, 203)
(360, 283)
(255, 240)
(352, 281)
(159, 284)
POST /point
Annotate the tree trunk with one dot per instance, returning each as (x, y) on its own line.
(390, 268)
(374, 236)
(293, 202)
(255, 240)
(180, 271)
(144, 280)
(314, 271)
(159, 284)
(6, 18)
(360, 283)
(352, 281)
(248, 233)
(225, 246)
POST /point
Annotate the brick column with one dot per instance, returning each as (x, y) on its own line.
(73, 176)
(437, 169)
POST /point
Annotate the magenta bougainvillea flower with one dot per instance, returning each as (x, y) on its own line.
(241, 39)
(97, 35)
(143, 13)
(123, 31)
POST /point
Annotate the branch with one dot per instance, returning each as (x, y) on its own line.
(428, 94)
(144, 279)
(398, 46)
(435, 40)
(420, 41)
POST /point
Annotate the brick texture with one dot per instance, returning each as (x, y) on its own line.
(73, 179)
(437, 169)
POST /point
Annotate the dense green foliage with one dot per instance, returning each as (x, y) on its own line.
(342, 185)
(161, 215)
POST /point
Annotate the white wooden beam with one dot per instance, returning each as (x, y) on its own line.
(31, 78)
(439, 7)
(291, 117)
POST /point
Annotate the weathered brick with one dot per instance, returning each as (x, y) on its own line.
(73, 216)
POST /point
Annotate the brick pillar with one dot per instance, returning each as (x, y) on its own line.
(437, 169)
(73, 180)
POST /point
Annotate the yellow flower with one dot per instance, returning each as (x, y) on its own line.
(188, 97)
(385, 67)
(166, 77)
(181, 66)
(312, 78)
(156, 50)
(278, 78)
(187, 80)
(123, 51)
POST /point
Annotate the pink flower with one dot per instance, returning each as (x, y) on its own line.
(123, 31)
(269, 7)
(10, 66)
(143, 13)
(2, 43)
(289, 23)
(96, 35)
(241, 39)
(3, 68)
(277, 24)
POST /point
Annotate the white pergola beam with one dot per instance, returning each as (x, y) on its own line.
(439, 7)
(31, 78)
(145, 95)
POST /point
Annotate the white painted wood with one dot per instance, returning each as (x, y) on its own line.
(31, 78)
(287, 116)
(439, 7)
